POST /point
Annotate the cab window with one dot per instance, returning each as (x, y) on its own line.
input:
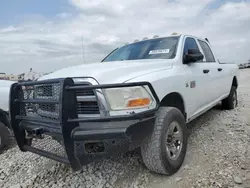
(190, 43)
(207, 51)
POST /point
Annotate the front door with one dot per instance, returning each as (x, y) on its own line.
(197, 81)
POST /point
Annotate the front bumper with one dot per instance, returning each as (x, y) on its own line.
(82, 139)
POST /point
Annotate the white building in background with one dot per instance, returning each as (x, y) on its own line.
(12, 77)
(2, 76)
(31, 75)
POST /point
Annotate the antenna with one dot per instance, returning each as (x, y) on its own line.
(83, 50)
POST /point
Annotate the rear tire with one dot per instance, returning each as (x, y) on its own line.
(4, 136)
(231, 101)
(156, 150)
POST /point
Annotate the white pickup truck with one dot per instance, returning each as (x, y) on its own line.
(141, 95)
(4, 113)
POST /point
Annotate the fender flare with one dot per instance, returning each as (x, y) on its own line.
(4, 118)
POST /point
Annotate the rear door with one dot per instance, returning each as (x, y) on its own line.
(215, 71)
(219, 73)
(198, 80)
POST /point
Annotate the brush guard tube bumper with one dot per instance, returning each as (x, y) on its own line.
(116, 134)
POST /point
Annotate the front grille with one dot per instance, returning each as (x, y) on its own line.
(48, 107)
(87, 107)
(87, 102)
(87, 92)
(41, 92)
(44, 91)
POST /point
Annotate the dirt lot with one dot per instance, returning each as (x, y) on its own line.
(218, 156)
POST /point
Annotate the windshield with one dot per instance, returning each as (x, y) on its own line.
(161, 48)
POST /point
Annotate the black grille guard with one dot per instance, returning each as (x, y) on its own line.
(67, 119)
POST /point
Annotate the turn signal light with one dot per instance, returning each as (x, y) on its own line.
(138, 102)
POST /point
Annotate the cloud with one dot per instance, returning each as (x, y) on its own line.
(64, 15)
(9, 29)
(102, 25)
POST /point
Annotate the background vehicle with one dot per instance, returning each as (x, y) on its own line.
(241, 66)
(4, 113)
(141, 95)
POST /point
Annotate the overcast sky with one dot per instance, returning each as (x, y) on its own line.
(47, 34)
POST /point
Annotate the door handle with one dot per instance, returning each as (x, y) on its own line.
(219, 69)
(205, 71)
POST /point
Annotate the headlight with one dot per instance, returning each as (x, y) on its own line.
(129, 98)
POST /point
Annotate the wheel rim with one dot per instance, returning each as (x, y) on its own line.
(234, 99)
(174, 140)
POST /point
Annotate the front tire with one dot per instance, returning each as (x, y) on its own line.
(231, 101)
(164, 151)
(4, 136)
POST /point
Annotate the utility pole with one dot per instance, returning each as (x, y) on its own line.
(83, 57)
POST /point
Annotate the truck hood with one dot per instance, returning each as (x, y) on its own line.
(4, 94)
(112, 72)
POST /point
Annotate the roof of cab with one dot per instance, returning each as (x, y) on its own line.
(159, 37)
(155, 37)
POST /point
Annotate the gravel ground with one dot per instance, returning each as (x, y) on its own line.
(218, 156)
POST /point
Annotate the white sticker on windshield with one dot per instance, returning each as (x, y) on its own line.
(162, 51)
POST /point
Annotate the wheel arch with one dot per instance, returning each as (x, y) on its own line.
(235, 82)
(4, 118)
(174, 99)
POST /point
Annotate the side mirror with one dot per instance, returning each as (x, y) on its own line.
(192, 56)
